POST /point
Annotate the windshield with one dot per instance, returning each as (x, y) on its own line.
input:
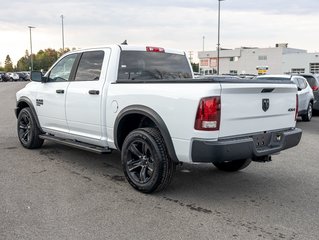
(139, 65)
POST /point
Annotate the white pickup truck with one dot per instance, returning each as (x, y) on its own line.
(144, 102)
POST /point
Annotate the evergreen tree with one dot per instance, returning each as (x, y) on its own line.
(8, 66)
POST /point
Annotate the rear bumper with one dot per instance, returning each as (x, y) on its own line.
(253, 147)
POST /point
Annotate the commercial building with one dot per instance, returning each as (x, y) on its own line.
(252, 60)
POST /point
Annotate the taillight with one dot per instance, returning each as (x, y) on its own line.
(208, 114)
(155, 49)
(296, 114)
(315, 88)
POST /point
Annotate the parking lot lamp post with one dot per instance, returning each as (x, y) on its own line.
(218, 40)
(62, 18)
(31, 57)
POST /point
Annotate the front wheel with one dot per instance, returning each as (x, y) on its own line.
(307, 117)
(28, 131)
(233, 166)
(146, 164)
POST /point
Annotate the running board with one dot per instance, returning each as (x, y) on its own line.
(76, 144)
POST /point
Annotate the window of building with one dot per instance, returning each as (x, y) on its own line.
(262, 57)
(233, 59)
(297, 70)
(314, 67)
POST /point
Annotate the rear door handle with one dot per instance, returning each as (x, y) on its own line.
(94, 92)
(60, 91)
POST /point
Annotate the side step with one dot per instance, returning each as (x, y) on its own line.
(76, 144)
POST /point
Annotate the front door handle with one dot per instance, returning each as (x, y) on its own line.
(60, 91)
(94, 92)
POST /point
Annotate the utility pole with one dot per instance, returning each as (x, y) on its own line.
(62, 17)
(218, 42)
(31, 57)
(203, 43)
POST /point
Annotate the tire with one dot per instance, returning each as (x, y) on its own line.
(233, 166)
(28, 131)
(307, 117)
(146, 164)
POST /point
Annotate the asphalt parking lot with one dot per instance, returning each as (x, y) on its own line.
(58, 192)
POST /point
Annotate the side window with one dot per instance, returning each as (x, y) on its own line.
(90, 66)
(61, 71)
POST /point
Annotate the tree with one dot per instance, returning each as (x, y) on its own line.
(44, 59)
(24, 63)
(8, 66)
(195, 67)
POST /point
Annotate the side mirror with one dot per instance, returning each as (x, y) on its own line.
(37, 76)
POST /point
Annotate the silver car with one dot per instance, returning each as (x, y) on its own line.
(305, 93)
(313, 80)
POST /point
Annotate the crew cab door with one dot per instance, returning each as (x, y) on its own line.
(85, 96)
(50, 99)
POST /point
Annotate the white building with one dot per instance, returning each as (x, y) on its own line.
(248, 60)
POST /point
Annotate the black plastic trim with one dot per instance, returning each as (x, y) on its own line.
(29, 103)
(76, 144)
(204, 80)
(242, 148)
(150, 113)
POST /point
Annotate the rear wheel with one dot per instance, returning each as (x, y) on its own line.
(146, 164)
(307, 117)
(233, 166)
(28, 131)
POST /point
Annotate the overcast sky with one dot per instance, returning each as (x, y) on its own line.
(166, 23)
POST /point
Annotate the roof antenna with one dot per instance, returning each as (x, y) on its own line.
(124, 43)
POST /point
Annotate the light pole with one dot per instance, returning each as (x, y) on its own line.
(218, 42)
(203, 43)
(62, 17)
(31, 57)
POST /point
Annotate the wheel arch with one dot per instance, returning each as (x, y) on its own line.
(141, 116)
(24, 102)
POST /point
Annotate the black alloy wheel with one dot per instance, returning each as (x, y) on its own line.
(28, 131)
(24, 128)
(146, 165)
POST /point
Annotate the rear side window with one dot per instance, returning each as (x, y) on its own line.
(90, 66)
(312, 81)
(139, 65)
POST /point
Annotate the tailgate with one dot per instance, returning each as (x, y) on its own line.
(256, 107)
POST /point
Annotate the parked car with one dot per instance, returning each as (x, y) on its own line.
(13, 76)
(305, 93)
(313, 81)
(5, 77)
(24, 76)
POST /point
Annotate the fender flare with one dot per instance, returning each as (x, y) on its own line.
(29, 103)
(155, 117)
